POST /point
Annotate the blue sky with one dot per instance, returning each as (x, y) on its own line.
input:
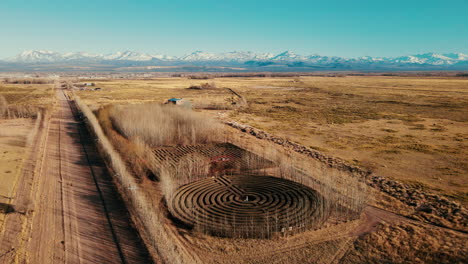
(349, 28)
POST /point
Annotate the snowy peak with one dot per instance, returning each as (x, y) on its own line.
(199, 56)
(287, 58)
(457, 56)
(38, 56)
(233, 56)
(128, 56)
(41, 56)
(432, 58)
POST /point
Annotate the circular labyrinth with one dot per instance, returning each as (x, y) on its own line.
(248, 206)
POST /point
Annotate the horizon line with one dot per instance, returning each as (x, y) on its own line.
(233, 51)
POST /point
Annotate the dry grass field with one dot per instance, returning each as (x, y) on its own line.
(157, 90)
(406, 128)
(18, 94)
(410, 129)
(18, 107)
(13, 141)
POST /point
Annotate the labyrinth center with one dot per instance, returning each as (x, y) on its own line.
(248, 206)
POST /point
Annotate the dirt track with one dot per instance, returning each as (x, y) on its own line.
(71, 211)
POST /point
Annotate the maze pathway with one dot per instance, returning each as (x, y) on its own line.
(248, 206)
(207, 152)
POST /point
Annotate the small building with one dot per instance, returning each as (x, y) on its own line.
(89, 84)
(176, 101)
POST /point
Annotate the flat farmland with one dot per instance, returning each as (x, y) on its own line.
(410, 129)
(27, 94)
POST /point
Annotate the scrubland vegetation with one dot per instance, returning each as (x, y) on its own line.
(169, 125)
(409, 129)
(412, 129)
(408, 243)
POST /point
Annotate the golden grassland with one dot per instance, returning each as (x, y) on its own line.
(14, 135)
(390, 243)
(408, 243)
(397, 127)
(412, 129)
(159, 90)
(27, 94)
(406, 128)
(175, 244)
(17, 100)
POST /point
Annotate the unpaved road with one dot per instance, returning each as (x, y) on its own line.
(72, 213)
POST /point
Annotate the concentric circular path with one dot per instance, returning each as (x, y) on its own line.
(248, 206)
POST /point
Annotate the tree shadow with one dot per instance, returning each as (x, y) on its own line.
(6, 208)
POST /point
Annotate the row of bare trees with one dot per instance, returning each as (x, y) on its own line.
(145, 127)
(159, 125)
(145, 208)
(29, 80)
(8, 111)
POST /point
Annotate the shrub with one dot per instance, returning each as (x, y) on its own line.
(203, 86)
(16, 111)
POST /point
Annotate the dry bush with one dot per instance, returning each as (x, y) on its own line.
(22, 111)
(158, 125)
(200, 76)
(220, 104)
(202, 86)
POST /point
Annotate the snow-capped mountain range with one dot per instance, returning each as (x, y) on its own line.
(245, 58)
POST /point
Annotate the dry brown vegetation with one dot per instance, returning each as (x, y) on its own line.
(203, 86)
(146, 211)
(158, 125)
(410, 129)
(29, 80)
(338, 188)
(17, 132)
(18, 100)
(408, 243)
(16, 111)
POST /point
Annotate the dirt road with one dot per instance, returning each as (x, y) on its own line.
(73, 213)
